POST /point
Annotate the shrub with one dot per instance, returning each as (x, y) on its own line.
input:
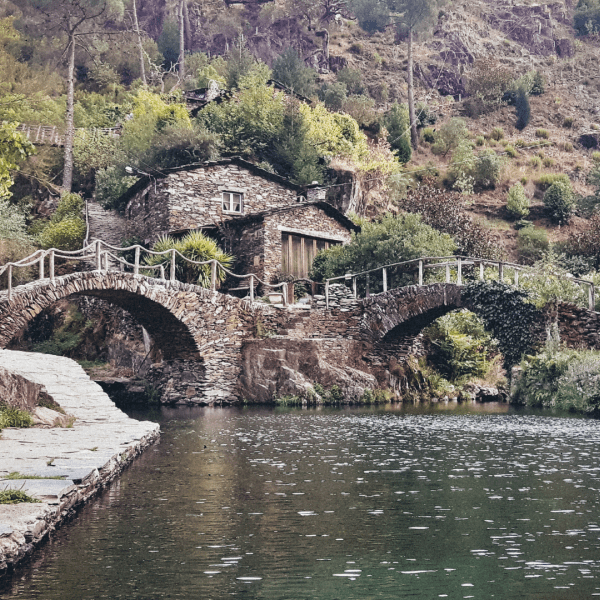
(479, 140)
(70, 205)
(517, 202)
(532, 243)
(396, 121)
(15, 497)
(544, 181)
(425, 116)
(535, 162)
(352, 79)
(524, 180)
(520, 143)
(596, 156)
(67, 234)
(567, 147)
(111, 184)
(361, 109)
(488, 169)
(13, 417)
(578, 388)
(497, 133)
(488, 83)
(542, 133)
(559, 202)
(587, 242)
(568, 122)
(510, 151)
(334, 95)
(356, 48)
(445, 212)
(449, 136)
(197, 247)
(428, 135)
(548, 162)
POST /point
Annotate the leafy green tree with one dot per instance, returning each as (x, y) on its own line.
(168, 43)
(523, 109)
(352, 79)
(372, 15)
(559, 202)
(75, 19)
(14, 148)
(334, 95)
(240, 62)
(290, 70)
(197, 247)
(517, 203)
(397, 123)
(392, 239)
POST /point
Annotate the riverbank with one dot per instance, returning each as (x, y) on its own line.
(80, 459)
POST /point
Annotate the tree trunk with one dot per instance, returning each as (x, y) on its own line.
(181, 42)
(70, 131)
(188, 26)
(140, 46)
(414, 136)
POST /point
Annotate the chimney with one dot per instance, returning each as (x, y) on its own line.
(315, 193)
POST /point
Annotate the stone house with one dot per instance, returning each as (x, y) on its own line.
(268, 223)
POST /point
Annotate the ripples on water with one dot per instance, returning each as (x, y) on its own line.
(329, 505)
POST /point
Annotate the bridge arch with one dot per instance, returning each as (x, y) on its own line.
(198, 331)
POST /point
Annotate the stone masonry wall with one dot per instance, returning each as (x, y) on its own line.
(193, 198)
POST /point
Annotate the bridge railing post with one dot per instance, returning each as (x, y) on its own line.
(284, 293)
(98, 264)
(9, 275)
(41, 276)
(459, 271)
(367, 286)
(354, 288)
(447, 272)
(173, 256)
(420, 272)
(251, 288)
(213, 275)
(592, 297)
(51, 265)
(327, 294)
(481, 271)
(501, 272)
(162, 272)
(516, 277)
(384, 274)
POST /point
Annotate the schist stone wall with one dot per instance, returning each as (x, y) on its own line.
(257, 245)
(189, 199)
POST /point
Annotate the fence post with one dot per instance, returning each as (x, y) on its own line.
(213, 275)
(162, 272)
(51, 265)
(459, 271)
(327, 294)
(354, 288)
(481, 271)
(284, 293)
(384, 272)
(592, 297)
(501, 272)
(173, 257)
(98, 265)
(136, 262)
(252, 288)
(368, 289)
(41, 266)
(516, 277)
(447, 272)
(420, 272)
(10, 269)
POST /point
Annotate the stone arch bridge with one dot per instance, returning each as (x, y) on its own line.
(210, 342)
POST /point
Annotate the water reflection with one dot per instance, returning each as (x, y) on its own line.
(325, 504)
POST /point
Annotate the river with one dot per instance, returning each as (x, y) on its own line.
(480, 502)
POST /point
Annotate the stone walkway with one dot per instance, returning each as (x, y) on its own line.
(101, 442)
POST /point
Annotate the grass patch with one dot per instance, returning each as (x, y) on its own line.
(13, 417)
(15, 497)
(17, 475)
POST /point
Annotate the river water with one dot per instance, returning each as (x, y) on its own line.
(339, 504)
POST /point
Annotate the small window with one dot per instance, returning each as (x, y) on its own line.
(233, 202)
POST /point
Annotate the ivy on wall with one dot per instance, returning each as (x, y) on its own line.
(508, 315)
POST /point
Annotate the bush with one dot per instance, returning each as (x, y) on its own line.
(67, 234)
(428, 135)
(390, 240)
(517, 202)
(544, 181)
(568, 122)
(497, 133)
(289, 69)
(578, 389)
(488, 169)
(542, 133)
(511, 152)
(111, 184)
(532, 244)
(13, 417)
(449, 136)
(488, 83)
(334, 95)
(559, 202)
(596, 156)
(352, 79)
(397, 122)
(567, 147)
(70, 205)
(445, 212)
(479, 140)
(361, 109)
(548, 162)
(587, 242)
(535, 162)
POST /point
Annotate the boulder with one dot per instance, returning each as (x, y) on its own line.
(21, 393)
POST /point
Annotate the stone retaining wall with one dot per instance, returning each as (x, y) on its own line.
(99, 445)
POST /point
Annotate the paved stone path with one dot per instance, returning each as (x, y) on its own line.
(101, 442)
